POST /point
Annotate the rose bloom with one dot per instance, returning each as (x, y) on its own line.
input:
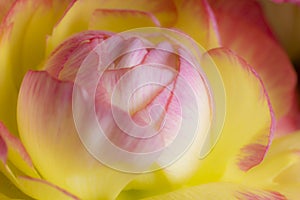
(44, 44)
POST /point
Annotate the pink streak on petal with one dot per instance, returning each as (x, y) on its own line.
(252, 154)
(65, 61)
(263, 196)
(243, 29)
(3, 150)
(14, 142)
(44, 182)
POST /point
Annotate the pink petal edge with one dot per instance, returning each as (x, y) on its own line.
(11, 140)
(50, 185)
(253, 153)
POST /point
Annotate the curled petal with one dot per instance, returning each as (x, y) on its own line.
(45, 120)
(246, 34)
(245, 137)
(65, 61)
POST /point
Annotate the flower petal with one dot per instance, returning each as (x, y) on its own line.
(248, 124)
(48, 132)
(65, 61)
(9, 190)
(19, 170)
(79, 16)
(248, 35)
(121, 20)
(22, 46)
(279, 170)
(4, 7)
(221, 190)
(13, 150)
(197, 20)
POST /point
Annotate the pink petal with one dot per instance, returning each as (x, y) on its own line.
(65, 61)
(48, 131)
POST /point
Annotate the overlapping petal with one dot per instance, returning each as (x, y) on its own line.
(45, 101)
(21, 172)
(221, 190)
(203, 28)
(22, 46)
(243, 141)
(279, 170)
(88, 14)
(45, 120)
(243, 29)
(245, 137)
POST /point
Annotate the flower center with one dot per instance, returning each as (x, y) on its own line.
(141, 100)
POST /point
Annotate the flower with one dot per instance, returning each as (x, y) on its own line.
(44, 46)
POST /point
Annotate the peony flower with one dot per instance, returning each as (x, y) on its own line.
(67, 68)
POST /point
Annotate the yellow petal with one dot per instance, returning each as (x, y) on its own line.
(221, 190)
(22, 46)
(25, 178)
(197, 20)
(248, 123)
(243, 28)
(82, 13)
(280, 169)
(121, 20)
(10, 191)
(13, 153)
(244, 138)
